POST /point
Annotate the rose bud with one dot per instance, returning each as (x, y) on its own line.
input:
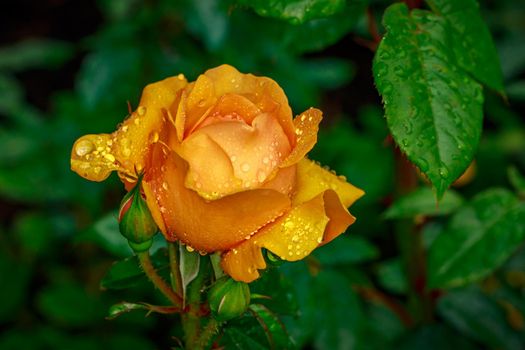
(135, 220)
(228, 298)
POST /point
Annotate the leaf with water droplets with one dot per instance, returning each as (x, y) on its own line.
(433, 108)
(295, 11)
(471, 41)
(478, 239)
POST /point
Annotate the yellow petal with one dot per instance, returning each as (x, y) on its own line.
(91, 157)
(306, 128)
(292, 237)
(204, 225)
(312, 179)
(96, 156)
(253, 152)
(264, 92)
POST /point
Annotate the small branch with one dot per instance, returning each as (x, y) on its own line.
(395, 307)
(149, 270)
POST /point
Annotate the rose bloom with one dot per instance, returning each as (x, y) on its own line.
(224, 169)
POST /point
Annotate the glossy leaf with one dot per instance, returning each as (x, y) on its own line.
(423, 202)
(295, 11)
(479, 317)
(127, 273)
(392, 277)
(479, 238)
(274, 329)
(472, 43)
(433, 108)
(238, 340)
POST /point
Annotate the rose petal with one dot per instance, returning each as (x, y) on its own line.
(205, 225)
(231, 107)
(264, 92)
(96, 156)
(306, 128)
(211, 173)
(292, 237)
(253, 151)
(313, 179)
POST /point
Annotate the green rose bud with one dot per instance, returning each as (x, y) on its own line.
(228, 298)
(135, 220)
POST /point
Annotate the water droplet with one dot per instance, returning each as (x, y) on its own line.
(404, 142)
(125, 128)
(84, 147)
(266, 160)
(154, 137)
(190, 249)
(201, 103)
(141, 111)
(165, 186)
(381, 69)
(443, 172)
(408, 127)
(261, 176)
(137, 121)
(245, 167)
(422, 164)
(126, 152)
(180, 76)
(109, 157)
(233, 158)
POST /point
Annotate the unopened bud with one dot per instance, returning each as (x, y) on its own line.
(228, 298)
(135, 220)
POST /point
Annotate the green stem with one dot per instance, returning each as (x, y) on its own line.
(207, 334)
(191, 320)
(410, 243)
(149, 270)
(176, 278)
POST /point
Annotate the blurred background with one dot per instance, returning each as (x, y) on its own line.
(68, 68)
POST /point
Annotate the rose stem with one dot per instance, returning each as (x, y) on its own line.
(149, 270)
(176, 279)
(207, 333)
(191, 319)
(410, 243)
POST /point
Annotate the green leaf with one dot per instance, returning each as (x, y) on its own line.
(69, 304)
(295, 11)
(433, 108)
(479, 238)
(479, 317)
(471, 41)
(105, 233)
(189, 264)
(317, 34)
(331, 314)
(422, 202)
(35, 53)
(127, 272)
(237, 339)
(392, 277)
(517, 180)
(346, 250)
(124, 307)
(274, 329)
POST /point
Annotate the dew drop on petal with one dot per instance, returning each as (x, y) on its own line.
(245, 167)
(141, 111)
(84, 147)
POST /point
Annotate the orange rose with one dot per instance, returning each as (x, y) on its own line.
(225, 169)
